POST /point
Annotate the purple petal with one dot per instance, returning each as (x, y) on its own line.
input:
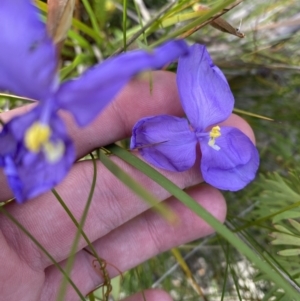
(87, 96)
(165, 141)
(27, 55)
(234, 165)
(204, 92)
(30, 174)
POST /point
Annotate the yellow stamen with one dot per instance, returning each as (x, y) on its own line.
(213, 134)
(36, 136)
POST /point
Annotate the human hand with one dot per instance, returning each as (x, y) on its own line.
(124, 231)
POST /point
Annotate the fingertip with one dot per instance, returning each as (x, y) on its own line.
(240, 123)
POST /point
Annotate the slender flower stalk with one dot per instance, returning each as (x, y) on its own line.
(35, 150)
(229, 160)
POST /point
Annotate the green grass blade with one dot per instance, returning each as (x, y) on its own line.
(124, 24)
(92, 16)
(136, 187)
(213, 11)
(71, 259)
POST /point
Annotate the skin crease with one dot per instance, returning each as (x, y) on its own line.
(121, 226)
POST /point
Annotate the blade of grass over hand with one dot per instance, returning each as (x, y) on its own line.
(70, 261)
(33, 239)
(205, 215)
(136, 187)
(93, 251)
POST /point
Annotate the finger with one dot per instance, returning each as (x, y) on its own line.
(142, 238)
(112, 205)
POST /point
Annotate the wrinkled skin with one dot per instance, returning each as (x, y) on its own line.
(122, 228)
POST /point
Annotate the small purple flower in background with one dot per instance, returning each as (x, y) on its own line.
(229, 159)
(35, 150)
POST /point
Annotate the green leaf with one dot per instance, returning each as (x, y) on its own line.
(284, 239)
(289, 252)
(286, 215)
(295, 224)
(282, 229)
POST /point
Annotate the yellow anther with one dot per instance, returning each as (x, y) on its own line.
(36, 136)
(213, 134)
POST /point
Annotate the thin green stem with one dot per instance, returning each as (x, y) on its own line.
(79, 225)
(124, 23)
(35, 241)
(92, 16)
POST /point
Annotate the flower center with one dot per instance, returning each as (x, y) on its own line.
(37, 138)
(213, 134)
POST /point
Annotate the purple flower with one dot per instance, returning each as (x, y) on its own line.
(33, 166)
(35, 150)
(229, 159)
